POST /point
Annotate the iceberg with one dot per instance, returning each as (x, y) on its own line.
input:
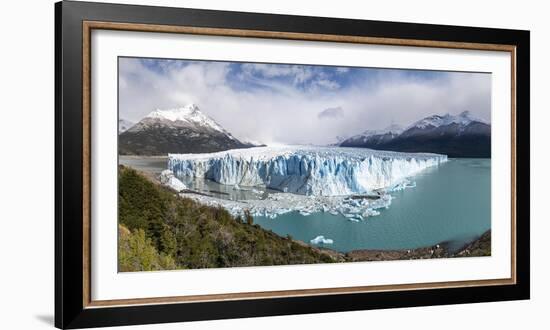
(167, 178)
(321, 239)
(305, 170)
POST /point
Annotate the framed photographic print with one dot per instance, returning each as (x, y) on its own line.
(214, 164)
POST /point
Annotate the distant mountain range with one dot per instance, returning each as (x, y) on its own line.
(188, 130)
(455, 136)
(180, 130)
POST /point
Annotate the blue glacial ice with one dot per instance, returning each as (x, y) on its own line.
(321, 240)
(306, 170)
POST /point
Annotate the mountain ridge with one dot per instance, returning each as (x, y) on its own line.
(178, 130)
(459, 135)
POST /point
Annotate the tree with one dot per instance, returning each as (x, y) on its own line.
(137, 253)
(248, 217)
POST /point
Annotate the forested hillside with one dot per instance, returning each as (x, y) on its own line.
(160, 230)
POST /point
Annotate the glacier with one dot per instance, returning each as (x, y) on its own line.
(306, 170)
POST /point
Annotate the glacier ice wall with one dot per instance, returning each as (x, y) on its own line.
(319, 171)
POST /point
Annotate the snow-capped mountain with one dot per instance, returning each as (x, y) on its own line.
(179, 130)
(189, 115)
(463, 119)
(373, 137)
(459, 135)
(448, 125)
(124, 125)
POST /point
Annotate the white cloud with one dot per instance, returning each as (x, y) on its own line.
(342, 70)
(331, 113)
(286, 113)
(299, 73)
(326, 83)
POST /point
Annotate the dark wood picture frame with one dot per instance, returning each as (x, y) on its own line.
(73, 24)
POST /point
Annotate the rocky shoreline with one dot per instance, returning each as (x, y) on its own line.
(476, 248)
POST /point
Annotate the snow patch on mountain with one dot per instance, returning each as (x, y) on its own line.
(188, 114)
(463, 119)
(393, 130)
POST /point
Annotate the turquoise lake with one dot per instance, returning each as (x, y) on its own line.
(450, 203)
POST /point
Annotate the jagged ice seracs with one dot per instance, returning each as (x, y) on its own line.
(305, 170)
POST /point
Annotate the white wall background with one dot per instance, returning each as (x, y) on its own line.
(27, 163)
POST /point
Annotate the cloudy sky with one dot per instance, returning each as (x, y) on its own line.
(298, 104)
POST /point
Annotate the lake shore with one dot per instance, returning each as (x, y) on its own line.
(478, 247)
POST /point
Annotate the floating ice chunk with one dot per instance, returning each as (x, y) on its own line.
(353, 217)
(403, 185)
(168, 179)
(165, 175)
(370, 213)
(321, 240)
(355, 209)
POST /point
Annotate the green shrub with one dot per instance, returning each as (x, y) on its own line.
(136, 253)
